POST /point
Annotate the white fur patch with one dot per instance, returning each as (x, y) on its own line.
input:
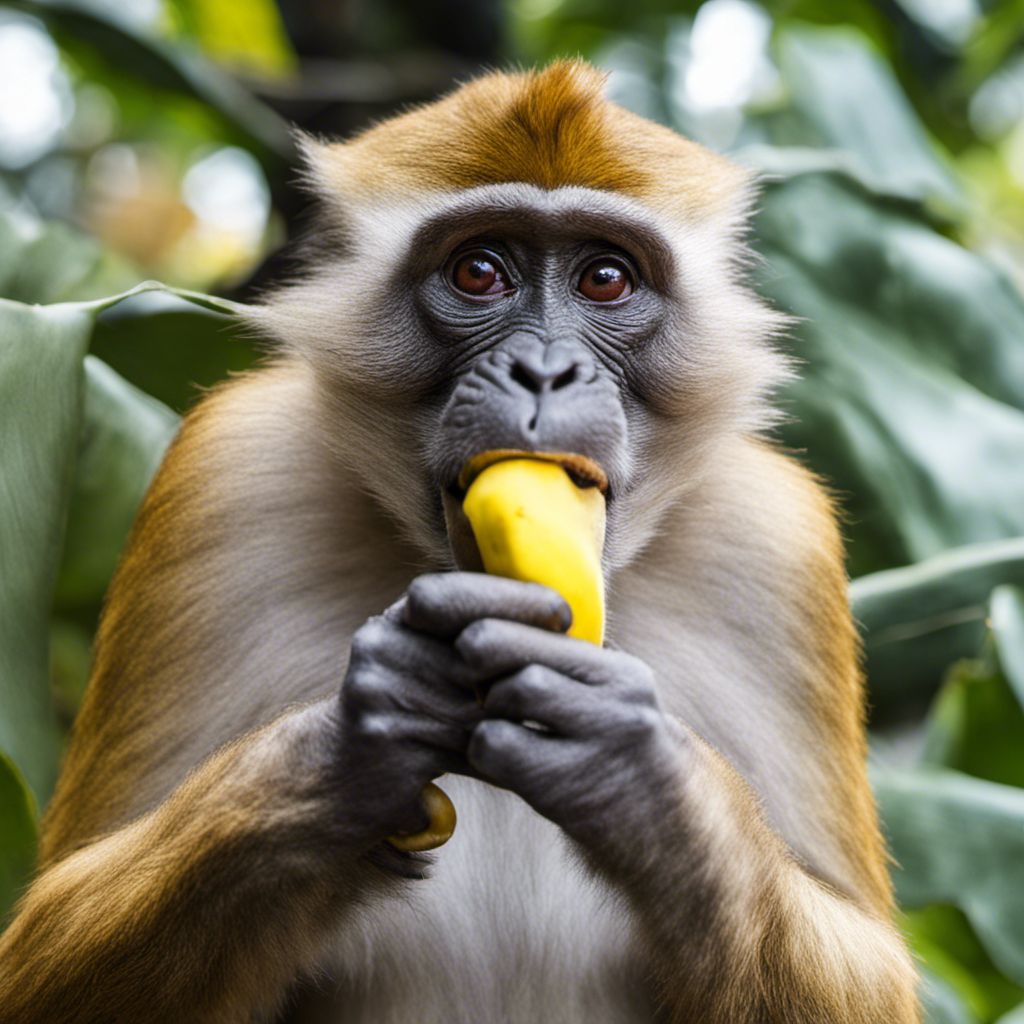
(509, 928)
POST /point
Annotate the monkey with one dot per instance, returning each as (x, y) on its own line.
(674, 826)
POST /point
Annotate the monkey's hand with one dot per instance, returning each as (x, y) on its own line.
(575, 730)
(408, 703)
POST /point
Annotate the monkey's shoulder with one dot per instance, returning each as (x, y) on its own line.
(758, 527)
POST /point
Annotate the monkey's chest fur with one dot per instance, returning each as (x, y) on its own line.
(509, 927)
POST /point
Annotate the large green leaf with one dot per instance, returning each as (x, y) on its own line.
(42, 386)
(169, 346)
(977, 725)
(919, 619)
(1007, 620)
(913, 387)
(960, 841)
(842, 95)
(941, 1001)
(41, 389)
(123, 438)
(17, 833)
(961, 982)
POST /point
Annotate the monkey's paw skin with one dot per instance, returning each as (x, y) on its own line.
(408, 703)
(605, 762)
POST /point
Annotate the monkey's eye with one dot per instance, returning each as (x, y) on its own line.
(479, 274)
(606, 280)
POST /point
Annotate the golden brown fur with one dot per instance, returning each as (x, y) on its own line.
(551, 128)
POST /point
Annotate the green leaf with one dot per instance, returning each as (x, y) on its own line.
(843, 95)
(176, 68)
(17, 833)
(960, 841)
(169, 346)
(941, 1000)
(1015, 1016)
(977, 726)
(942, 937)
(1007, 620)
(41, 389)
(912, 395)
(42, 385)
(917, 620)
(70, 663)
(123, 438)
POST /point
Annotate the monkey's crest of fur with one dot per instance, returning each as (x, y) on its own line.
(550, 127)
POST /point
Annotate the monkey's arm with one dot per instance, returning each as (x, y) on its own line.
(774, 943)
(203, 908)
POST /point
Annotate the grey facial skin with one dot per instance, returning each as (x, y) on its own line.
(427, 362)
(542, 367)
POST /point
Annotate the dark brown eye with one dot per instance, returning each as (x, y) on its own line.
(479, 274)
(606, 280)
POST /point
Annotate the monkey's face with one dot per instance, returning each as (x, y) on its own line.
(513, 317)
(523, 265)
(544, 305)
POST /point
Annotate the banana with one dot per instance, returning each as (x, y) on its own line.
(531, 522)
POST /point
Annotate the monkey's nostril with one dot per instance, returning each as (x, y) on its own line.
(564, 379)
(537, 379)
(524, 378)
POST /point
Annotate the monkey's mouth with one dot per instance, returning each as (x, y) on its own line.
(583, 471)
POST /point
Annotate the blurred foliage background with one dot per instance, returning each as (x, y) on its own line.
(148, 139)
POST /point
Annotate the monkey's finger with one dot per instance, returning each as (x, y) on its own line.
(405, 726)
(433, 662)
(443, 604)
(377, 689)
(508, 754)
(491, 645)
(540, 694)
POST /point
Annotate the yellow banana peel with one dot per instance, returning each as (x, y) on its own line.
(533, 523)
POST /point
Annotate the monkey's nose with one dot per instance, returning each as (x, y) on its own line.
(540, 372)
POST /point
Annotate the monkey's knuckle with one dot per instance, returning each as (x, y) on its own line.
(636, 682)
(489, 740)
(638, 721)
(364, 686)
(533, 680)
(425, 591)
(375, 725)
(370, 640)
(475, 638)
